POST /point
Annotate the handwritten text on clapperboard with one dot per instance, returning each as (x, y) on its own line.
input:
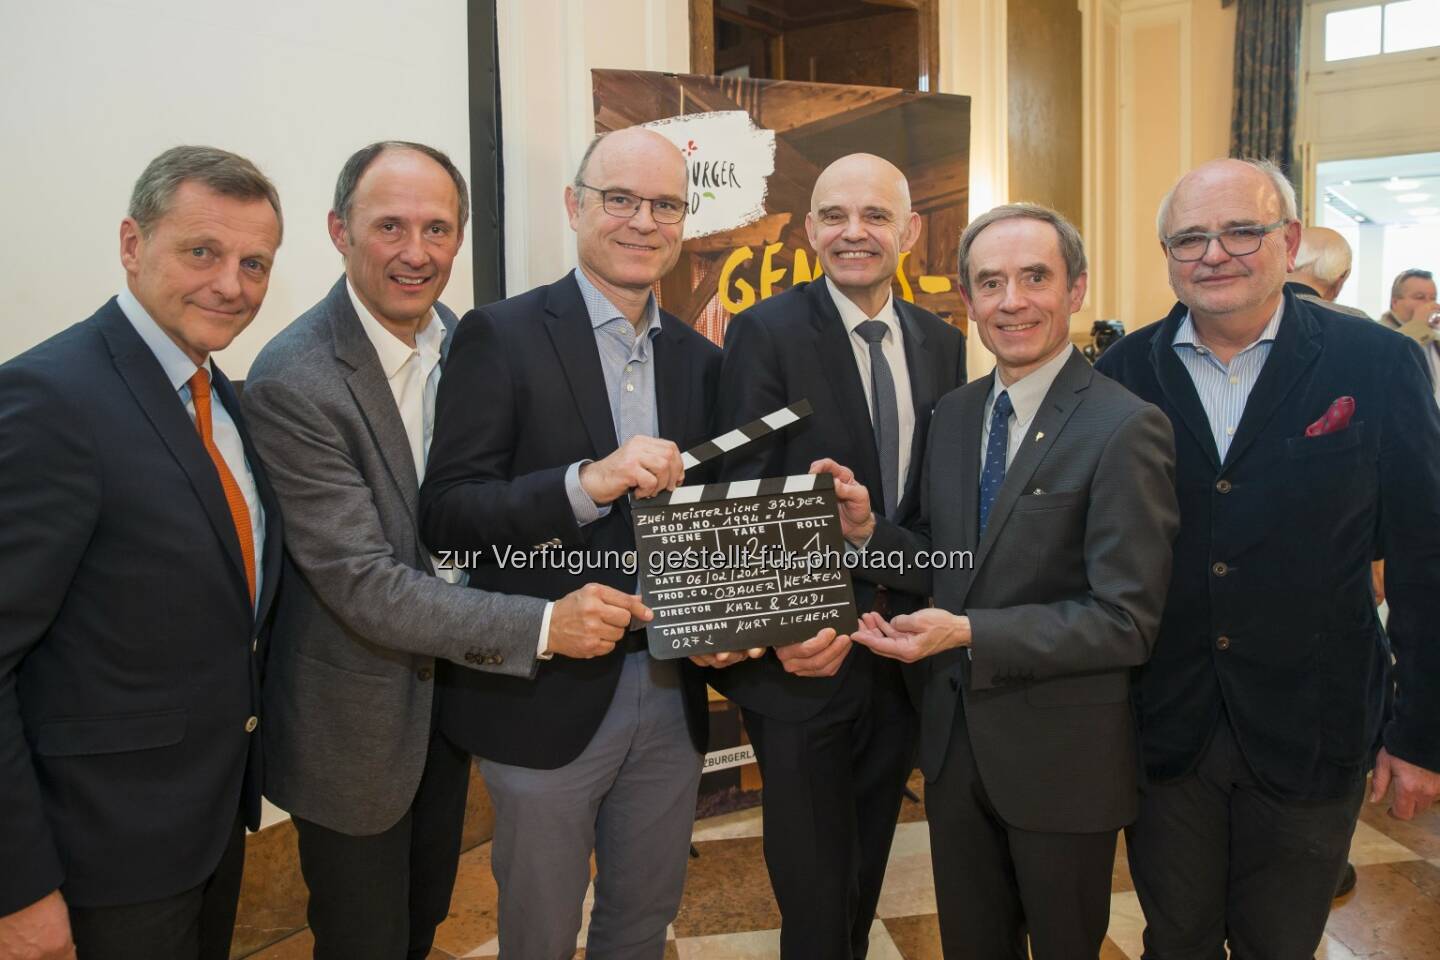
(730, 566)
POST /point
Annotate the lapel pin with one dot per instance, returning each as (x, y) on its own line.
(1039, 435)
(1038, 490)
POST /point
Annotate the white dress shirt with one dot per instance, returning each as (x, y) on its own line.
(1026, 395)
(179, 368)
(892, 347)
(414, 377)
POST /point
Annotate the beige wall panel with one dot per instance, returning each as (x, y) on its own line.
(1154, 147)
(1212, 59)
(1045, 108)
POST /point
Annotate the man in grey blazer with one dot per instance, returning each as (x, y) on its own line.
(1048, 501)
(342, 402)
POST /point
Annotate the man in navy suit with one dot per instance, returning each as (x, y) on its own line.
(554, 406)
(138, 561)
(1306, 445)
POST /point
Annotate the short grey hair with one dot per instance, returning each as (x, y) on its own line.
(220, 171)
(361, 160)
(1072, 247)
(1407, 275)
(1326, 257)
(585, 159)
(1284, 190)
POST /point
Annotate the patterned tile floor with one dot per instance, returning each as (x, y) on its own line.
(729, 914)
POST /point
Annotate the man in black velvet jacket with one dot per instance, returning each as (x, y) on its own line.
(1306, 444)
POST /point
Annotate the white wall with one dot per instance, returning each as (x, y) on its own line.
(547, 50)
(91, 90)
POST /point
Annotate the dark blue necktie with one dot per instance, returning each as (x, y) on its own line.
(993, 475)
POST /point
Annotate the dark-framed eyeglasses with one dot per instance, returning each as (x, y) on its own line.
(619, 203)
(1235, 241)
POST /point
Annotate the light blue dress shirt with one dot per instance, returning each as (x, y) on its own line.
(178, 370)
(1224, 388)
(628, 362)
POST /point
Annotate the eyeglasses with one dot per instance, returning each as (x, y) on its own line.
(1235, 241)
(624, 205)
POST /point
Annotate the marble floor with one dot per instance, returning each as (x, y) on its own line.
(729, 914)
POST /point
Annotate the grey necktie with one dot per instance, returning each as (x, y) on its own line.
(884, 415)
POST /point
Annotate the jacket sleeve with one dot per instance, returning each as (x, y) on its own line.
(51, 492)
(334, 535)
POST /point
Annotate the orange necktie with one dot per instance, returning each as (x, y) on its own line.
(239, 512)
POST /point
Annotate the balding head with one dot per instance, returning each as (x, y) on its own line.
(1229, 234)
(1323, 262)
(859, 223)
(629, 184)
(876, 173)
(627, 145)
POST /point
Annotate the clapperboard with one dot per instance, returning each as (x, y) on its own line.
(755, 563)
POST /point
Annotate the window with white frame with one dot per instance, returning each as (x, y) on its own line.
(1381, 28)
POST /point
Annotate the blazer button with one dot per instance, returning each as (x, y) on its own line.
(1222, 643)
(424, 673)
(1220, 569)
(497, 659)
(1223, 486)
(251, 724)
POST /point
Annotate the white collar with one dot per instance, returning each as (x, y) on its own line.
(392, 351)
(852, 316)
(1027, 393)
(178, 367)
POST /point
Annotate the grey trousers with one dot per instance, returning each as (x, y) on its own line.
(629, 797)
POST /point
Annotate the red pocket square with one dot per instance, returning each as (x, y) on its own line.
(1337, 418)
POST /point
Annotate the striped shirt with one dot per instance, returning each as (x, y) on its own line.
(1224, 387)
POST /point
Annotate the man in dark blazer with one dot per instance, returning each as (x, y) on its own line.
(1049, 506)
(834, 733)
(555, 405)
(1307, 445)
(139, 558)
(342, 405)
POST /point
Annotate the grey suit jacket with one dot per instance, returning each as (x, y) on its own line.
(361, 617)
(1064, 596)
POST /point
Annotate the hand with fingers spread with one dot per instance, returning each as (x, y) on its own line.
(857, 520)
(646, 465)
(727, 658)
(1415, 787)
(589, 622)
(913, 636)
(820, 656)
(40, 931)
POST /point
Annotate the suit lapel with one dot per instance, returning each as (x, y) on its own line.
(838, 369)
(573, 337)
(922, 397)
(1297, 344)
(1060, 402)
(672, 399)
(972, 412)
(367, 384)
(1179, 388)
(161, 404)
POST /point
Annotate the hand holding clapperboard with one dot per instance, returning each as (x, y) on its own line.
(754, 563)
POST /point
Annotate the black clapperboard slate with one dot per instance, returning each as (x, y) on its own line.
(707, 556)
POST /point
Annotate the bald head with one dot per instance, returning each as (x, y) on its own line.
(876, 173)
(859, 223)
(1323, 262)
